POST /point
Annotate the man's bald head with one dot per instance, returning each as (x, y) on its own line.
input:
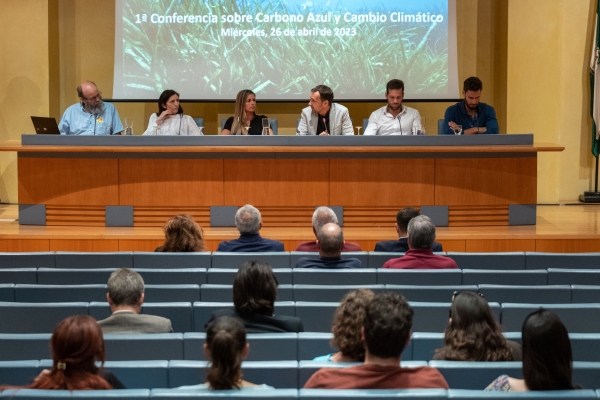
(330, 240)
(87, 89)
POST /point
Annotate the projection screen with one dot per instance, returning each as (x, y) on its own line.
(210, 50)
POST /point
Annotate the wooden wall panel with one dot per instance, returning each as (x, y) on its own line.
(84, 245)
(139, 244)
(382, 182)
(485, 181)
(158, 216)
(478, 215)
(24, 245)
(452, 244)
(499, 245)
(171, 182)
(276, 182)
(68, 181)
(564, 245)
(75, 215)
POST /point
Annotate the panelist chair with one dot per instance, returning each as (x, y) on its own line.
(440, 126)
(199, 122)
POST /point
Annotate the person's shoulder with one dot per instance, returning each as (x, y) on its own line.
(428, 377)
(379, 111)
(339, 107)
(72, 109)
(307, 110)
(109, 106)
(394, 262)
(352, 263)
(349, 246)
(289, 323)
(386, 245)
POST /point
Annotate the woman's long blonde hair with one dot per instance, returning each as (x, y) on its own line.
(239, 116)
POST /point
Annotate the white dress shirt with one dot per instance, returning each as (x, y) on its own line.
(177, 124)
(383, 123)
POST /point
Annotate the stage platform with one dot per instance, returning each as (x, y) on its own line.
(560, 228)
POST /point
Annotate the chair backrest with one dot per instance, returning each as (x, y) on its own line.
(329, 293)
(499, 261)
(7, 292)
(378, 258)
(440, 126)
(585, 346)
(27, 260)
(203, 311)
(464, 394)
(147, 374)
(18, 275)
(430, 293)
(90, 260)
(578, 318)
(154, 346)
(36, 317)
(535, 260)
(559, 276)
(475, 375)
(152, 260)
(363, 256)
(61, 276)
(527, 294)
(59, 293)
(316, 316)
(226, 276)
(30, 394)
(584, 294)
(31, 346)
(235, 260)
(19, 372)
(178, 394)
(196, 276)
(199, 122)
(364, 125)
(419, 277)
(172, 293)
(362, 276)
(503, 277)
(314, 344)
(360, 394)
(224, 293)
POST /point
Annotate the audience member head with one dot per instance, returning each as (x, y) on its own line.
(182, 234)
(248, 220)
(90, 97)
(77, 343)
(473, 334)
(547, 356)
(387, 325)
(403, 218)
(169, 98)
(421, 232)
(225, 348)
(323, 215)
(321, 97)
(348, 321)
(255, 289)
(330, 240)
(245, 108)
(125, 290)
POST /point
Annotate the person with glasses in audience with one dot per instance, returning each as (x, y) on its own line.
(225, 348)
(91, 116)
(547, 356)
(473, 334)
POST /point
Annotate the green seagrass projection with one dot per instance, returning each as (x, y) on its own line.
(281, 49)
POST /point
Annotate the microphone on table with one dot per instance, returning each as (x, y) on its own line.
(325, 124)
(400, 123)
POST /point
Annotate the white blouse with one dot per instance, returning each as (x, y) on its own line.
(177, 124)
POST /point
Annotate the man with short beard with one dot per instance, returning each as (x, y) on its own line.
(91, 116)
(473, 116)
(394, 118)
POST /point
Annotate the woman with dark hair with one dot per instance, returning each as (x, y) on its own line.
(347, 325)
(547, 357)
(254, 294)
(182, 234)
(473, 334)
(244, 120)
(77, 344)
(169, 120)
(225, 348)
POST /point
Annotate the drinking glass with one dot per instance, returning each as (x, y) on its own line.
(358, 128)
(201, 130)
(458, 130)
(266, 123)
(128, 126)
(422, 124)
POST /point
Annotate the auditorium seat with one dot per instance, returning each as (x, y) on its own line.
(224, 293)
(585, 346)
(18, 372)
(363, 256)
(136, 347)
(536, 260)
(586, 374)
(43, 259)
(199, 122)
(176, 394)
(36, 317)
(7, 292)
(316, 316)
(279, 374)
(378, 258)
(55, 276)
(475, 375)
(151, 260)
(328, 293)
(80, 260)
(37, 394)
(440, 126)
(464, 394)
(501, 277)
(196, 276)
(18, 275)
(433, 317)
(374, 394)
(314, 344)
(559, 276)
(527, 294)
(362, 276)
(415, 277)
(226, 276)
(585, 294)
(499, 261)
(430, 293)
(202, 311)
(59, 293)
(180, 313)
(578, 318)
(172, 293)
(424, 344)
(30, 346)
(276, 259)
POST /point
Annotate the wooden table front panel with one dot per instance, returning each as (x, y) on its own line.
(68, 181)
(171, 182)
(485, 181)
(276, 182)
(382, 182)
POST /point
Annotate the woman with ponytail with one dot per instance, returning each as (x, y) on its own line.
(77, 343)
(225, 347)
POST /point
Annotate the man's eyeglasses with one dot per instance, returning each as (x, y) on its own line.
(96, 97)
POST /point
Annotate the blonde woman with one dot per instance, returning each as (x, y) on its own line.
(244, 120)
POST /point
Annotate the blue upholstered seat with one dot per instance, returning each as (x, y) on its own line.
(18, 372)
(430, 293)
(18, 275)
(155, 346)
(359, 394)
(527, 294)
(578, 318)
(501, 261)
(413, 277)
(7, 292)
(43, 259)
(276, 259)
(463, 394)
(328, 293)
(503, 277)
(36, 394)
(150, 260)
(36, 317)
(362, 276)
(559, 276)
(177, 394)
(224, 293)
(172, 293)
(475, 375)
(59, 293)
(536, 260)
(81, 260)
(226, 276)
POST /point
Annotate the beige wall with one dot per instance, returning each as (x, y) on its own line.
(532, 56)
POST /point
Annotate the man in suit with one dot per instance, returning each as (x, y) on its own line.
(248, 222)
(324, 215)
(330, 241)
(125, 296)
(401, 245)
(323, 117)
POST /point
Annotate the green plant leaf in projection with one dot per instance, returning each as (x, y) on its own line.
(211, 62)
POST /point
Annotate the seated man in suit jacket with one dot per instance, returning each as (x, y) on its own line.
(330, 241)
(248, 221)
(401, 245)
(125, 296)
(323, 117)
(324, 215)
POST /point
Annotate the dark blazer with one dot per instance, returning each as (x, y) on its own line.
(257, 323)
(250, 242)
(130, 323)
(401, 246)
(328, 263)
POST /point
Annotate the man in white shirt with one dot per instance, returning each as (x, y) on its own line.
(394, 118)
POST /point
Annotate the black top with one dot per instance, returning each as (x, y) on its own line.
(255, 125)
(321, 125)
(257, 323)
(401, 246)
(329, 263)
